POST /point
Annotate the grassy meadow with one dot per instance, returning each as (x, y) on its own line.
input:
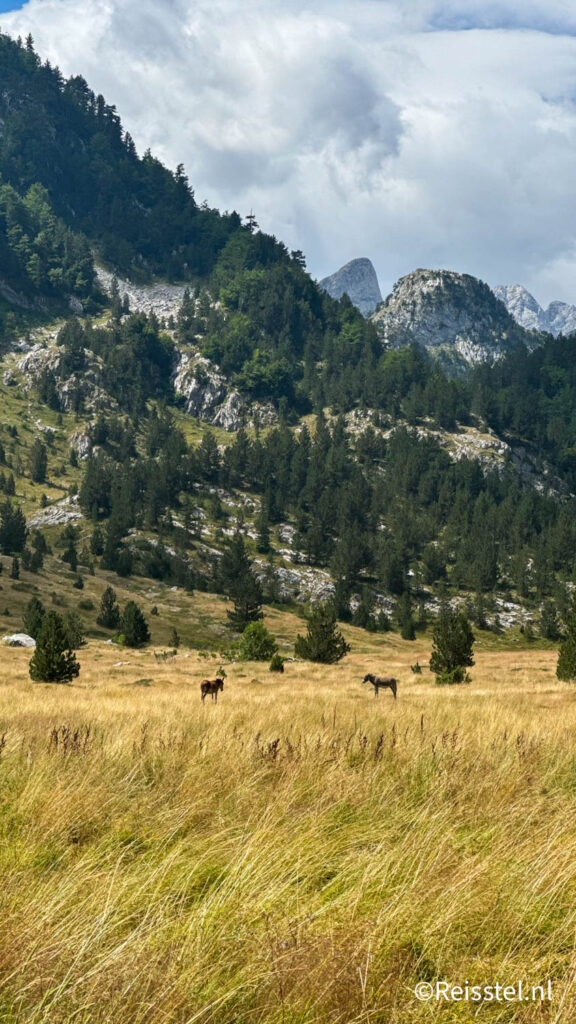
(298, 852)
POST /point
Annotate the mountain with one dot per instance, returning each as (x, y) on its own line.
(558, 318)
(171, 377)
(454, 317)
(358, 280)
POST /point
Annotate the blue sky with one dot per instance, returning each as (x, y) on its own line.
(9, 5)
(419, 133)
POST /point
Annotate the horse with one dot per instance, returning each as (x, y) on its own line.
(381, 682)
(211, 686)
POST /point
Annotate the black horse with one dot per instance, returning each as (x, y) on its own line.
(381, 682)
(211, 686)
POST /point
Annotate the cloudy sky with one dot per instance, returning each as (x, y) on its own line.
(420, 133)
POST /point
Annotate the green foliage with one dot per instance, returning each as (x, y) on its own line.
(53, 660)
(33, 617)
(566, 667)
(13, 530)
(453, 641)
(38, 462)
(109, 614)
(134, 626)
(256, 643)
(241, 585)
(277, 663)
(323, 641)
(549, 622)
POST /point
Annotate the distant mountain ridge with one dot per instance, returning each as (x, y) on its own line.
(558, 318)
(456, 318)
(358, 280)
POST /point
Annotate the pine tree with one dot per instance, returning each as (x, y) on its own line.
(33, 617)
(15, 569)
(453, 640)
(134, 626)
(241, 586)
(38, 462)
(109, 614)
(566, 667)
(405, 617)
(323, 641)
(53, 660)
(549, 622)
(13, 529)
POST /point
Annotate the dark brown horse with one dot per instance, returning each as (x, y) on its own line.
(381, 683)
(211, 686)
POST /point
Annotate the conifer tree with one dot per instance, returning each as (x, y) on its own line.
(134, 626)
(53, 660)
(33, 617)
(38, 462)
(241, 586)
(566, 667)
(453, 640)
(323, 641)
(109, 614)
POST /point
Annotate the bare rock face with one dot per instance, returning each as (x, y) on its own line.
(209, 396)
(89, 383)
(162, 299)
(454, 317)
(358, 280)
(559, 318)
(59, 514)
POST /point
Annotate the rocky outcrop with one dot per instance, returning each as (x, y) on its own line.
(455, 317)
(89, 383)
(63, 512)
(209, 396)
(19, 640)
(162, 299)
(358, 280)
(558, 318)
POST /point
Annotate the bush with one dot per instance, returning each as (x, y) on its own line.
(86, 604)
(277, 663)
(256, 643)
(456, 675)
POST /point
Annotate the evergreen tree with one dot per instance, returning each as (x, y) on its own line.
(53, 660)
(109, 614)
(33, 617)
(323, 641)
(453, 640)
(13, 529)
(38, 462)
(566, 667)
(405, 617)
(549, 622)
(15, 569)
(74, 629)
(133, 626)
(241, 586)
(256, 643)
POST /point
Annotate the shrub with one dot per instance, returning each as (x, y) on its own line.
(256, 643)
(277, 663)
(452, 646)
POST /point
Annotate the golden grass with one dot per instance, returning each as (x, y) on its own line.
(298, 852)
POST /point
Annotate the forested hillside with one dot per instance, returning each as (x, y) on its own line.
(375, 479)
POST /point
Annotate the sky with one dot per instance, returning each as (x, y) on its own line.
(418, 133)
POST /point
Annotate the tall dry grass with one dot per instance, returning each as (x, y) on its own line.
(299, 852)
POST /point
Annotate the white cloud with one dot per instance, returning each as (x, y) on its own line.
(419, 133)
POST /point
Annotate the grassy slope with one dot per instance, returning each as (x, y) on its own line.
(299, 852)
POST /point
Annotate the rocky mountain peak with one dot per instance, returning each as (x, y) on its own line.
(455, 317)
(558, 318)
(358, 280)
